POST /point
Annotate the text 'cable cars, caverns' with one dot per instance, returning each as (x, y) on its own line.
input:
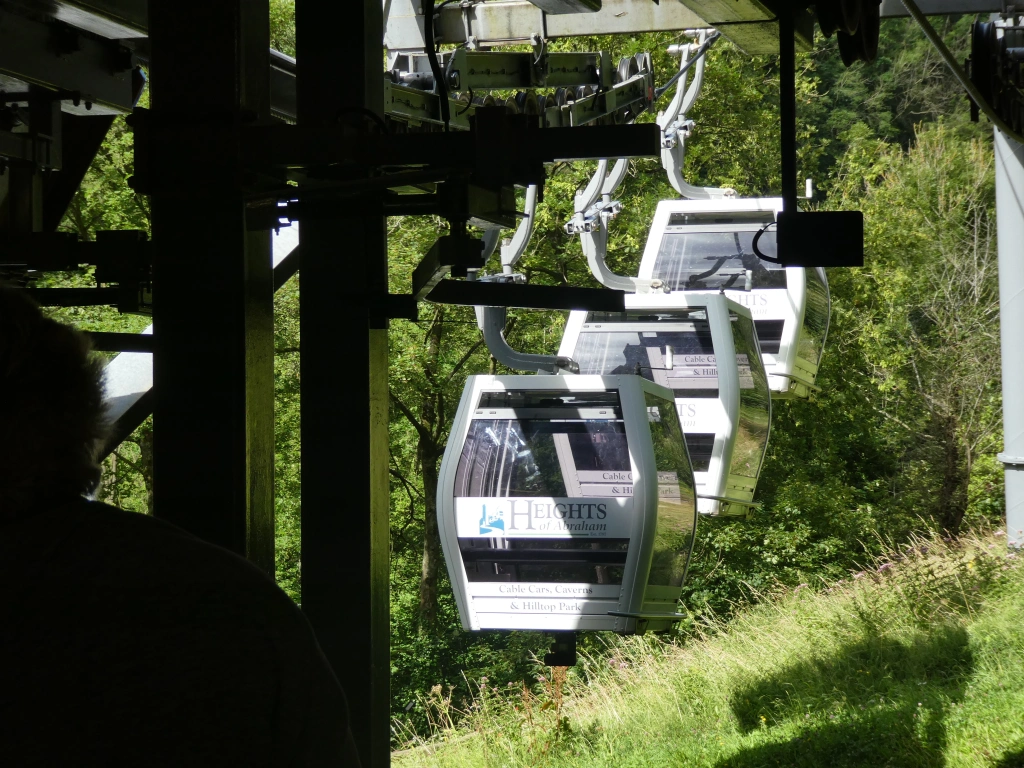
(566, 503)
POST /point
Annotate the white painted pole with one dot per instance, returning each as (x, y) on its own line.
(1009, 156)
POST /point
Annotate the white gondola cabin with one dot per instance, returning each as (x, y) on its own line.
(704, 348)
(566, 503)
(705, 245)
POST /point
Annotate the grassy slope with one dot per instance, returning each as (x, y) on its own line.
(920, 663)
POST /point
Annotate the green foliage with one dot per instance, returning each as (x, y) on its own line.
(927, 305)
(282, 26)
(915, 661)
(287, 474)
(907, 85)
(903, 435)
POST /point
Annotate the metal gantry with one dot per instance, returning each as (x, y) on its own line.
(232, 123)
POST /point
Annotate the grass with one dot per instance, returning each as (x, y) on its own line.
(918, 661)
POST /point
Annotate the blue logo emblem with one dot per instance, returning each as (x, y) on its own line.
(492, 524)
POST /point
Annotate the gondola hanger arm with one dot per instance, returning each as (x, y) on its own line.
(595, 248)
(676, 128)
(492, 323)
(491, 320)
(513, 250)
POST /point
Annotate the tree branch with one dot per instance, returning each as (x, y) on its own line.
(409, 489)
(423, 432)
(130, 463)
(463, 360)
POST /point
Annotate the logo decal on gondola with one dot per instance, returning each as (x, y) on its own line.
(492, 524)
(557, 517)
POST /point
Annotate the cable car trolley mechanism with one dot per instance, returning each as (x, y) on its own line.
(703, 348)
(566, 503)
(706, 245)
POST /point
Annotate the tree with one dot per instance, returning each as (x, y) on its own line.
(930, 305)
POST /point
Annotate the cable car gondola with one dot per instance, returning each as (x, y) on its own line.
(705, 245)
(566, 503)
(704, 348)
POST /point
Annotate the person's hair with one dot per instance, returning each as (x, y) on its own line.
(51, 395)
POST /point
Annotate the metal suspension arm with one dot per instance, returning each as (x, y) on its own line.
(595, 248)
(675, 128)
(492, 322)
(591, 224)
(513, 251)
(614, 177)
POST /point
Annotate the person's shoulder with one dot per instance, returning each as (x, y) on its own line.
(132, 542)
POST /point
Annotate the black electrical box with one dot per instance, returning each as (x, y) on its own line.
(821, 238)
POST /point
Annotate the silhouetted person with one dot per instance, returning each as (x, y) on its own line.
(125, 641)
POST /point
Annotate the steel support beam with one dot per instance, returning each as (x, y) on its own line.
(509, 21)
(115, 19)
(1009, 157)
(58, 57)
(81, 138)
(213, 364)
(493, 22)
(345, 493)
(481, 294)
(943, 7)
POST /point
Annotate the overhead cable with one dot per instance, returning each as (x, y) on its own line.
(659, 92)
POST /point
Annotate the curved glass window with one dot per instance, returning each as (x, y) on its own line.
(769, 334)
(755, 403)
(816, 316)
(639, 344)
(691, 260)
(538, 443)
(552, 560)
(701, 446)
(528, 444)
(677, 508)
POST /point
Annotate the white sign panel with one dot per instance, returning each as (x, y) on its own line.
(531, 589)
(705, 415)
(764, 302)
(571, 605)
(541, 517)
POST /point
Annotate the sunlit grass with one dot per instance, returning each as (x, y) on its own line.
(918, 661)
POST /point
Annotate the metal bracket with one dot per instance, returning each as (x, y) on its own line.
(455, 253)
(467, 25)
(727, 500)
(563, 650)
(596, 216)
(798, 380)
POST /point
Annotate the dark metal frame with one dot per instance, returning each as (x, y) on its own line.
(215, 161)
